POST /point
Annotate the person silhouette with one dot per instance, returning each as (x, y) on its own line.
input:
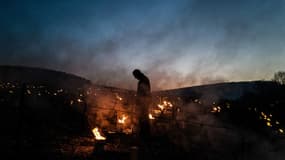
(143, 101)
(143, 87)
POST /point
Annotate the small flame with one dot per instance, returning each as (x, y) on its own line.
(269, 124)
(164, 105)
(216, 109)
(160, 106)
(29, 92)
(59, 90)
(123, 119)
(169, 104)
(150, 116)
(97, 134)
(79, 100)
(118, 97)
(156, 111)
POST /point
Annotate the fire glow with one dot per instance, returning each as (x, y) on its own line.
(150, 116)
(118, 97)
(97, 134)
(216, 109)
(123, 119)
(165, 104)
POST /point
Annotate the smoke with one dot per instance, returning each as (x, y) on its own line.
(175, 44)
(196, 129)
(213, 136)
(109, 105)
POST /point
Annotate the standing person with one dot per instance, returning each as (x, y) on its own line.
(143, 101)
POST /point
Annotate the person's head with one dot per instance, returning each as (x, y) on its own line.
(137, 74)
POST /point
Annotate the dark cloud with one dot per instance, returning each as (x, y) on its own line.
(177, 44)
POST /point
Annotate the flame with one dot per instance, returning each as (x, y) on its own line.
(268, 119)
(118, 97)
(160, 106)
(281, 131)
(156, 111)
(165, 104)
(264, 115)
(97, 134)
(29, 92)
(150, 116)
(269, 124)
(169, 104)
(199, 102)
(216, 109)
(123, 119)
(79, 100)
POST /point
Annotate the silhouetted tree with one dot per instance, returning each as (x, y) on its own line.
(279, 77)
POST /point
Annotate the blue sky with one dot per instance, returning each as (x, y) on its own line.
(176, 43)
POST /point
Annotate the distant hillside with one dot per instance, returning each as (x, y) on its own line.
(231, 90)
(211, 92)
(33, 75)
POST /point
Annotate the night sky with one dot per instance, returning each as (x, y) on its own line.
(177, 43)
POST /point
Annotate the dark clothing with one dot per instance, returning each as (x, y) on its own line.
(143, 97)
(143, 101)
(144, 132)
(143, 87)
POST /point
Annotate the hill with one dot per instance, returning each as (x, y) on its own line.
(51, 116)
(230, 90)
(32, 75)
